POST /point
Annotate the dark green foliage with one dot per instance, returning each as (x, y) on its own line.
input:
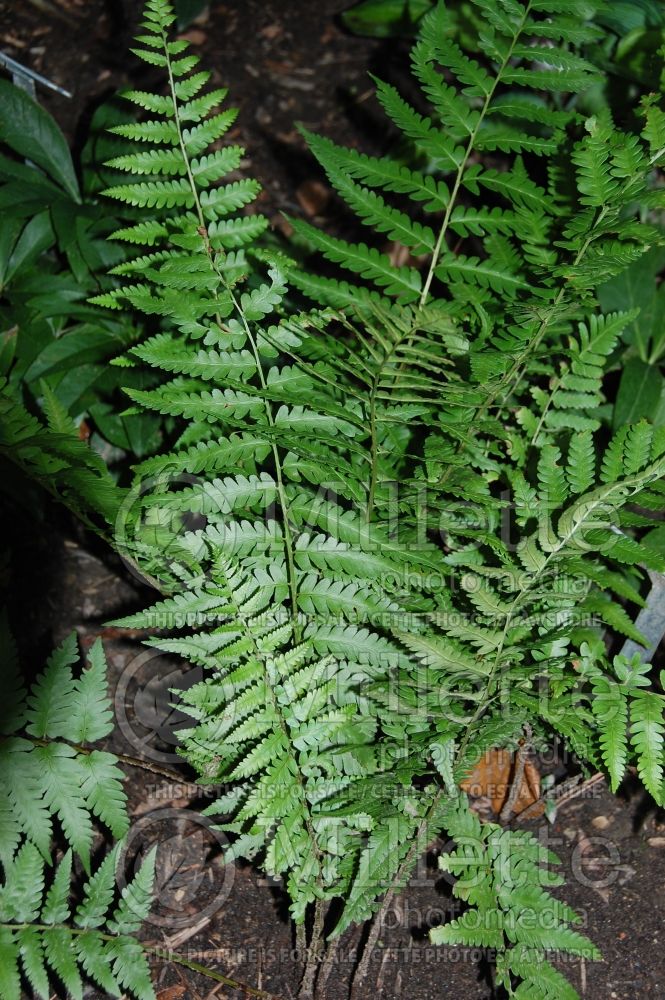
(56, 457)
(53, 255)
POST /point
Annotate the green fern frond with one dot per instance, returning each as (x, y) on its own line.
(40, 936)
(500, 875)
(47, 771)
(647, 729)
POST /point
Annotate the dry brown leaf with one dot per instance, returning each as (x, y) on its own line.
(172, 993)
(492, 776)
(195, 36)
(313, 197)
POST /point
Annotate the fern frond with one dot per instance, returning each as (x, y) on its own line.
(647, 729)
(47, 773)
(36, 939)
(500, 875)
(611, 709)
(402, 282)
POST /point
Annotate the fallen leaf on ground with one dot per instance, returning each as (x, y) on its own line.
(492, 778)
(171, 993)
(313, 196)
(195, 36)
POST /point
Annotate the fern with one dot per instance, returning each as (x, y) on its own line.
(499, 875)
(47, 770)
(480, 111)
(629, 718)
(40, 933)
(283, 722)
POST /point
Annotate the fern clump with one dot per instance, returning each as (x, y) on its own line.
(330, 529)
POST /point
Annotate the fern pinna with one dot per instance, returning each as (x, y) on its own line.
(50, 772)
(393, 526)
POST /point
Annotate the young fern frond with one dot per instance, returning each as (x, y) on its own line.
(284, 722)
(481, 110)
(577, 392)
(48, 770)
(499, 874)
(619, 695)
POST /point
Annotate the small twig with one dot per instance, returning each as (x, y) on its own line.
(176, 940)
(301, 942)
(168, 956)
(382, 969)
(327, 966)
(146, 765)
(564, 792)
(372, 939)
(213, 993)
(521, 758)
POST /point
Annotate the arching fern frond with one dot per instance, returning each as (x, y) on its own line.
(275, 718)
(482, 109)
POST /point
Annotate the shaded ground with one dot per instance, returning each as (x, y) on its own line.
(283, 62)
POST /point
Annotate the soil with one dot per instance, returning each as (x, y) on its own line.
(284, 62)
